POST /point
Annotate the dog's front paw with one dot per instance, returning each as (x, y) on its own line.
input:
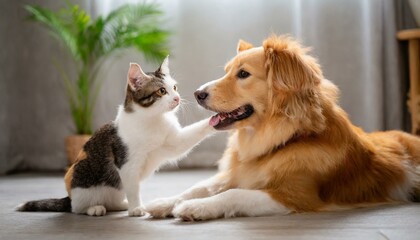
(196, 210)
(162, 208)
(136, 212)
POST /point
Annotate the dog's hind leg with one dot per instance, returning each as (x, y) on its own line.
(411, 144)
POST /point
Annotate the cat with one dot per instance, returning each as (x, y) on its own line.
(145, 134)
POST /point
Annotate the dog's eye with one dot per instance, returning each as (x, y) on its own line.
(161, 91)
(243, 74)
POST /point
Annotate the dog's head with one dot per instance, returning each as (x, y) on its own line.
(277, 80)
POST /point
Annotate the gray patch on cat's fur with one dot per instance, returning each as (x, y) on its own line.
(105, 152)
(146, 95)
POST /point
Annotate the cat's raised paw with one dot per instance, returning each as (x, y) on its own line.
(136, 212)
(98, 210)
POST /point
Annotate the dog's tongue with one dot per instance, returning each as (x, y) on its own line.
(214, 120)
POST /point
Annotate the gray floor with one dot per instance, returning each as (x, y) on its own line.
(392, 222)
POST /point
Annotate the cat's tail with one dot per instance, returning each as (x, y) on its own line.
(46, 205)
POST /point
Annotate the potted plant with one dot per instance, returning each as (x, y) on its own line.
(88, 42)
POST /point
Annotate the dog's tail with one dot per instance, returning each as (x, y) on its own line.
(46, 205)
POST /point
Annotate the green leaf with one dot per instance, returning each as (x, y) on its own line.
(136, 26)
(56, 26)
(90, 41)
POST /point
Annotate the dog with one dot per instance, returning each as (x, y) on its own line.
(291, 147)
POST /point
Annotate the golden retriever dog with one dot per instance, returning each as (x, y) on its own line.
(291, 147)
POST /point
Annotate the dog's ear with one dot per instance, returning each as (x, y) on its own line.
(294, 79)
(242, 46)
(290, 68)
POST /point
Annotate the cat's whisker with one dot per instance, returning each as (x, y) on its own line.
(183, 109)
(186, 104)
(186, 101)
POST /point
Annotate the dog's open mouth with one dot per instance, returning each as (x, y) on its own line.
(223, 120)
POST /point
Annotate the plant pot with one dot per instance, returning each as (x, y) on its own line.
(74, 144)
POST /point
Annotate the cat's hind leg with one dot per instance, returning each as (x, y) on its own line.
(96, 201)
(98, 210)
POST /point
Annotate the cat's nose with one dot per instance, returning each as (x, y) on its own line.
(176, 99)
(201, 95)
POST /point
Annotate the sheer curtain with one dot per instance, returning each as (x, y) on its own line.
(354, 41)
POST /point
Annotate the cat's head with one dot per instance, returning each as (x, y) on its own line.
(153, 92)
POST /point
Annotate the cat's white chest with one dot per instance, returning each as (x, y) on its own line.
(144, 139)
(142, 136)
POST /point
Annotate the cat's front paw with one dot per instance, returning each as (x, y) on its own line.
(162, 208)
(196, 210)
(136, 212)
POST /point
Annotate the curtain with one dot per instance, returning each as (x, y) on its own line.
(34, 113)
(353, 40)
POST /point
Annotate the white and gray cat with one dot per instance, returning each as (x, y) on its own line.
(145, 134)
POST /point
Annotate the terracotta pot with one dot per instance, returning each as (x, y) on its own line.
(74, 144)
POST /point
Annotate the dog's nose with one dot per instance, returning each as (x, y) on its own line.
(200, 95)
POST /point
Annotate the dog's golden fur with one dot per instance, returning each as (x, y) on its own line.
(297, 151)
(299, 145)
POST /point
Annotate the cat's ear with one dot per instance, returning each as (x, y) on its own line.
(135, 76)
(164, 67)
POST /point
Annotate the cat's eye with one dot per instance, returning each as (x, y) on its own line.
(161, 91)
(242, 74)
(175, 88)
